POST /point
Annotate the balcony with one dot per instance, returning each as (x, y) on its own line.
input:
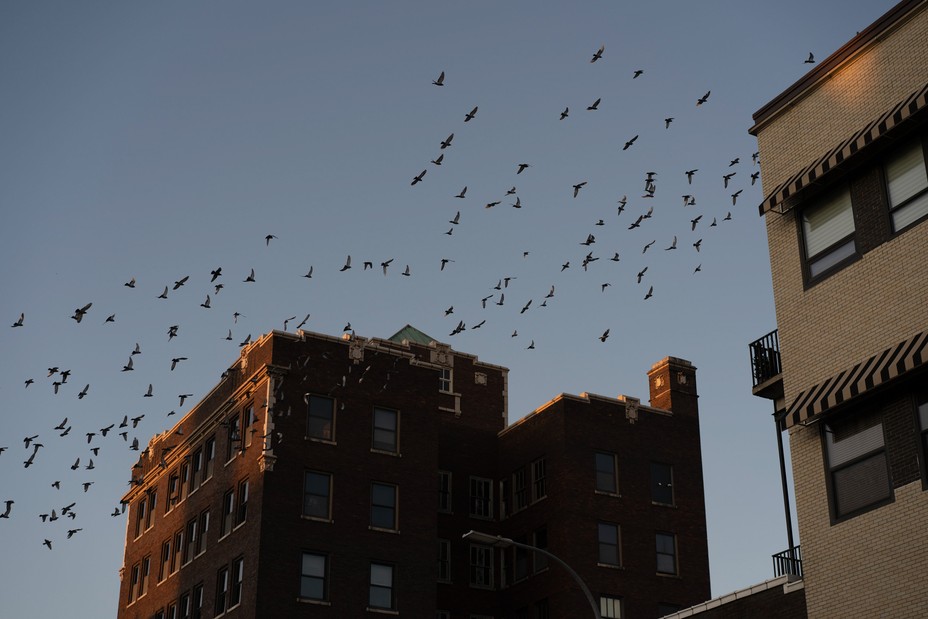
(765, 366)
(788, 563)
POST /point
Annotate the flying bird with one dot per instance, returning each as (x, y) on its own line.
(148, 393)
(604, 336)
(565, 113)
(697, 244)
(649, 294)
(689, 175)
(128, 367)
(641, 274)
(456, 220)
(522, 167)
(215, 274)
(693, 222)
(9, 508)
(629, 143)
(418, 178)
(734, 196)
(130, 283)
(267, 239)
(667, 122)
(470, 115)
(181, 282)
(183, 397)
(347, 264)
(206, 303)
(754, 177)
(439, 159)
(83, 392)
(177, 360)
(447, 142)
(250, 278)
(441, 80)
(406, 272)
(648, 245)
(594, 105)
(164, 295)
(703, 98)
(578, 187)
(80, 312)
(531, 346)
(598, 54)
(444, 261)
(110, 318)
(19, 323)
(637, 73)
(810, 59)
(463, 191)
(385, 265)
(672, 245)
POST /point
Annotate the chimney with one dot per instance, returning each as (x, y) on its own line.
(672, 382)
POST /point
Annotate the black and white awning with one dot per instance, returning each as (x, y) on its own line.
(859, 379)
(779, 198)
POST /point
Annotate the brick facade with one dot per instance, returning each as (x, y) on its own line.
(359, 488)
(870, 563)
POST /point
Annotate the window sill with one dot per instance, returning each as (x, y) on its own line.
(663, 575)
(317, 519)
(383, 530)
(659, 504)
(479, 517)
(605, 493)
(395, 454)
(239, 525)
(610, 566)
(312, 601)
(324, 441)
(382, 611)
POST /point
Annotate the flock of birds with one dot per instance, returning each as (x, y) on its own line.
(694, 227)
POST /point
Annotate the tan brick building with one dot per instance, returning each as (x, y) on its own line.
(843, 155)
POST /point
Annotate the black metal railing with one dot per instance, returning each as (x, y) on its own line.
(765, 357)
(788, 562)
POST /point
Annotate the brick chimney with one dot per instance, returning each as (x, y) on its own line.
(672, 382)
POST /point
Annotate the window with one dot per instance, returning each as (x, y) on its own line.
(159, 614)
(242, 511)
(857, 467)
(607, 478)
(204, 528)
(385, 430)
(519, 494)
(540, 540)
(209, 456)
(222, 590)
(238, 577)
(320, 420)
(317, 488)
(139, 516)
(172, 611)
(666, 608)
(196, 470)
(443, 614)
(165, 560)
(173, 484)
(481, 566)
(538, 479)
(481, 497)
(609, 544)
(521, 560)
(134, 582)
(183, 606)
(184, 481)
(662, 483)
(923, 425)
(907, 185)
(313, 577)
(444, 491)
(146, 571)
(178, 551)
(152, 504)
(196, 602)
(828, 232)
(190, 548)
(381, 590)
(541, 609)
(233, 436)
(444, 560)
(444, 381)
(666, 553)
(383, 506)
(228, 506)
(251, 421)
(504, 495)
(610, 607)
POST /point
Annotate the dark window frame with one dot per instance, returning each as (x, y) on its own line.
(661, 484)
(893, 209)
(809, 278)
(310, 496)
(378, 509)
(853, 462)
(320, 427)
(313, 577)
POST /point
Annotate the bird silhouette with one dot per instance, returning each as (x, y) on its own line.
(565, 113)
(463, 191)
(637, 73)
(206, 303)
(522, 167)
(629, 143)
(130, 283)
(649, 294)
(578, 187)
(267, 239)
(595, 105)
(604, 336)
(19, 322)
(810, 59)
(215, 274)
(447, 142)
(418, 178)
(598, 54)
(689, 175)
(439, 159)
(703, 98)
(250, 278)
(667, 122)
(347, 264)
(441, 80)
(470, 115)
(673, 245)
(648, 245)
(80, 312)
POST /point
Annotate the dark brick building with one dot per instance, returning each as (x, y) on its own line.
(304, 485)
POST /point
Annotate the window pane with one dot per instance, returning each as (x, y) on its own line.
(905, 173)
(829, 259)
(605, 472)
(608, 544)
(381, 589)
(860, 484)
(852, 439)
(312, 582)
(321, 413)
(828, 222)
(661, 483)
(916, 209)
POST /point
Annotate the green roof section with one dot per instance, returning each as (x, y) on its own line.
(412, 334)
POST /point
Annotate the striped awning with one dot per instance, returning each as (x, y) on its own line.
(779, 198)
(864, 376)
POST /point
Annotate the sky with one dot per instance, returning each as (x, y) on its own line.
(153, 141)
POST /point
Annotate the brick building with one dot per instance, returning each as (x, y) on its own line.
(304, 485)
(843, 155)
